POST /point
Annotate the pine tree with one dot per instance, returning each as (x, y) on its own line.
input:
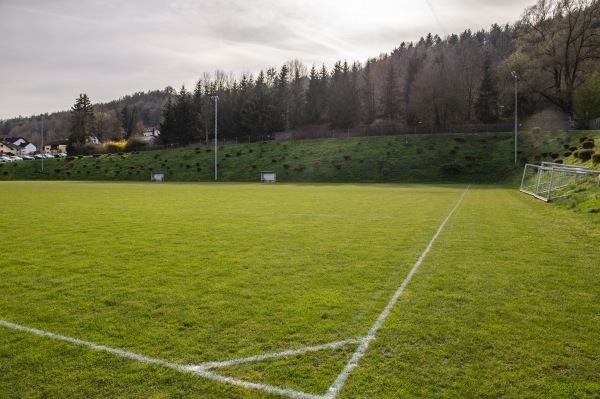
(168, 134)
(281, 99)
(368, 94)
(486, 106)
(131, 121)
(82, 123)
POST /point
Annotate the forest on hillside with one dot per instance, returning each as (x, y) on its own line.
(550, 57)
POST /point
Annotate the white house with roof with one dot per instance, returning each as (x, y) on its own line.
(150, 134)
(21, 146)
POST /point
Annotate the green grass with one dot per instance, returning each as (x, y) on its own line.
(193, 273)
(388, 159)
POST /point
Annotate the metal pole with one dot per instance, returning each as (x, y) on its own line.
(514, 74)
(216, 98)
(43, 152)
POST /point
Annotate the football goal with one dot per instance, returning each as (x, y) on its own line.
(551, 180)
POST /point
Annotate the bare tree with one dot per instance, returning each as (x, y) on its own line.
(562, 40)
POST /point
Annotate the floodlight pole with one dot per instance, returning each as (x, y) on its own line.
(516, 76)
(43, 152)
(216, 98)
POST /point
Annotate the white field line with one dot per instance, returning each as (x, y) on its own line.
(253, 385)
(91, 345)
(144, 359)
(332, 345)
(201, 369)
(360, 351)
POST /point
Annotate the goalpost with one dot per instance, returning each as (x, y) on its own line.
(553, 180)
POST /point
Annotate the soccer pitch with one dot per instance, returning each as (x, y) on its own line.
(143, 290)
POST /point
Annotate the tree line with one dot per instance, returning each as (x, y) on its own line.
(552, 51)
(116, 120)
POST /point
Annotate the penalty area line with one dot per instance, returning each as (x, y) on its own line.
(339, 383)
(149, 360)
(292, 352)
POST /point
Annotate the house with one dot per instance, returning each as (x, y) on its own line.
(25, 147)
(56, 146)
(7, 148)
(150, 134)
(92, 139)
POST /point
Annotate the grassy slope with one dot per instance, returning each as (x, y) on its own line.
(500, 308)
(424, 158)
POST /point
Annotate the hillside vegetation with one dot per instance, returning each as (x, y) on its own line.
(423, 158)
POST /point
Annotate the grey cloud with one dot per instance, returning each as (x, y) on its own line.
(57, 49)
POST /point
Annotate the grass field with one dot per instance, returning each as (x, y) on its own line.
(505, 304)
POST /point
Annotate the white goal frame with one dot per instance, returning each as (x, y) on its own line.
(157, 176)
(547, 181)
(268, 176)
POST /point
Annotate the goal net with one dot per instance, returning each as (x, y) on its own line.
(550, 180)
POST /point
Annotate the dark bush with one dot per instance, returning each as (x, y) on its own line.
(469, 157)
(337, 166)
(567, 154)
(572, 149)
(97, 155)
(453, 151)
(566, 146)
(286, 166)
(554, 155)
(585, 155)
(588, 144)
(451, 168)
(596, 157)
(582, 139)
(57, 170)
(347, 157)
(459, 139)
(558, 161)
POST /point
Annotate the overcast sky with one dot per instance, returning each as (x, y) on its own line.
(53, 50)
